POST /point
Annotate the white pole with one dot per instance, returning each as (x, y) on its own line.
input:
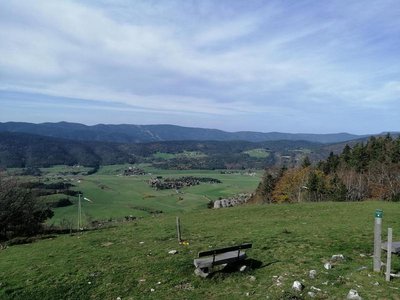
(377, 240)
(389, 254)
(79, 213)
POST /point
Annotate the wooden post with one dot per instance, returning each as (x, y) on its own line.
(389, 254)
(377, 240)
(178, 229)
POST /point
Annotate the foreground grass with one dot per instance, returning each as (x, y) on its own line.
(131, 259)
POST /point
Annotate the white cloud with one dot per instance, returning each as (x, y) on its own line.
(275, 60)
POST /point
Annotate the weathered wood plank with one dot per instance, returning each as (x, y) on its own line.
(223, 258)
(226, 249)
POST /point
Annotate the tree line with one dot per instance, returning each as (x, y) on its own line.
(368, 170)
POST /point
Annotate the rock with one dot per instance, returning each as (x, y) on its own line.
(353, 295)
(152, 290)
(217, 204)
(141, 243)
(243, 268)
(252, 278)
(158, 283)
(297, 286)
(312, 274)
(119, 298)
(173, 251)
(311, 294)
(337, 257)
(328, 266)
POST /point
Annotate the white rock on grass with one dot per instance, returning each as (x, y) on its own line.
(297, 286)
(312, 274)
(337, 257)
(243, 268)
(173, 251)
(328, 266)
(353, 295)
(311, 294)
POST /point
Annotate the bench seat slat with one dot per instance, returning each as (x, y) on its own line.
(220, 259)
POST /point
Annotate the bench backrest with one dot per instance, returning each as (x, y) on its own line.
(223, 250)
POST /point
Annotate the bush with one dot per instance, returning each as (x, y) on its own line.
(21, 214)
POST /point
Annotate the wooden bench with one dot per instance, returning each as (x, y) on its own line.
(395, 247)
(228, 255)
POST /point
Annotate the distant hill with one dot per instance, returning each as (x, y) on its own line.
(151, 133)
(29, 150)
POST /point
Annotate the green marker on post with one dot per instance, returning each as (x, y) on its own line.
(378, 213)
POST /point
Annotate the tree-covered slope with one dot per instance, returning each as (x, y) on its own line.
(125, 133)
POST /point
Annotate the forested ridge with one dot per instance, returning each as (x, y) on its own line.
(368, 170)
(29, 150)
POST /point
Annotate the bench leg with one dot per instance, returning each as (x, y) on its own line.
(202, 272)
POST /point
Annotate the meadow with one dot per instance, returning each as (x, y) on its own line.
(114, 196)
(131, 260)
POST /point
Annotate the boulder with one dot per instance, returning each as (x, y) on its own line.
(353, 295)
(297, 286)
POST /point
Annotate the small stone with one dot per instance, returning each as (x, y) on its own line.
(152, 290)
(119, 298)
(337, 257)
(353, 295)
(173, 252)
(297, 286)
(141, 243)
(89, 282)
(243, 268)
(311, 294)
(312, 274)
(158, 283)
(328, 266)
(247, 294)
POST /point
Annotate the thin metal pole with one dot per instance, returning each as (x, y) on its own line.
(178, 229)
(389, 254)
(377, 240)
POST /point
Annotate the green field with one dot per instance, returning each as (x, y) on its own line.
(258, 153)
(115, 196)
(131, 259)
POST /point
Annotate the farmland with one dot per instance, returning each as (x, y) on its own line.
(115, 196)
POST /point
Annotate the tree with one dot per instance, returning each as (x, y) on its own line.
(306, 162)
(21, 214)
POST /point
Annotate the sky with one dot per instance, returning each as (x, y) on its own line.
(289, 66)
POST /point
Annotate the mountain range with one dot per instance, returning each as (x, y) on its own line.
(126, 133)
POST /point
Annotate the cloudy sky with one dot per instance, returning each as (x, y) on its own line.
(293, 66)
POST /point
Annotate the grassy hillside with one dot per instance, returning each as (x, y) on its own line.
(131, 260)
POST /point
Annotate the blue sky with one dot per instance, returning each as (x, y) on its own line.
(292, 66)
